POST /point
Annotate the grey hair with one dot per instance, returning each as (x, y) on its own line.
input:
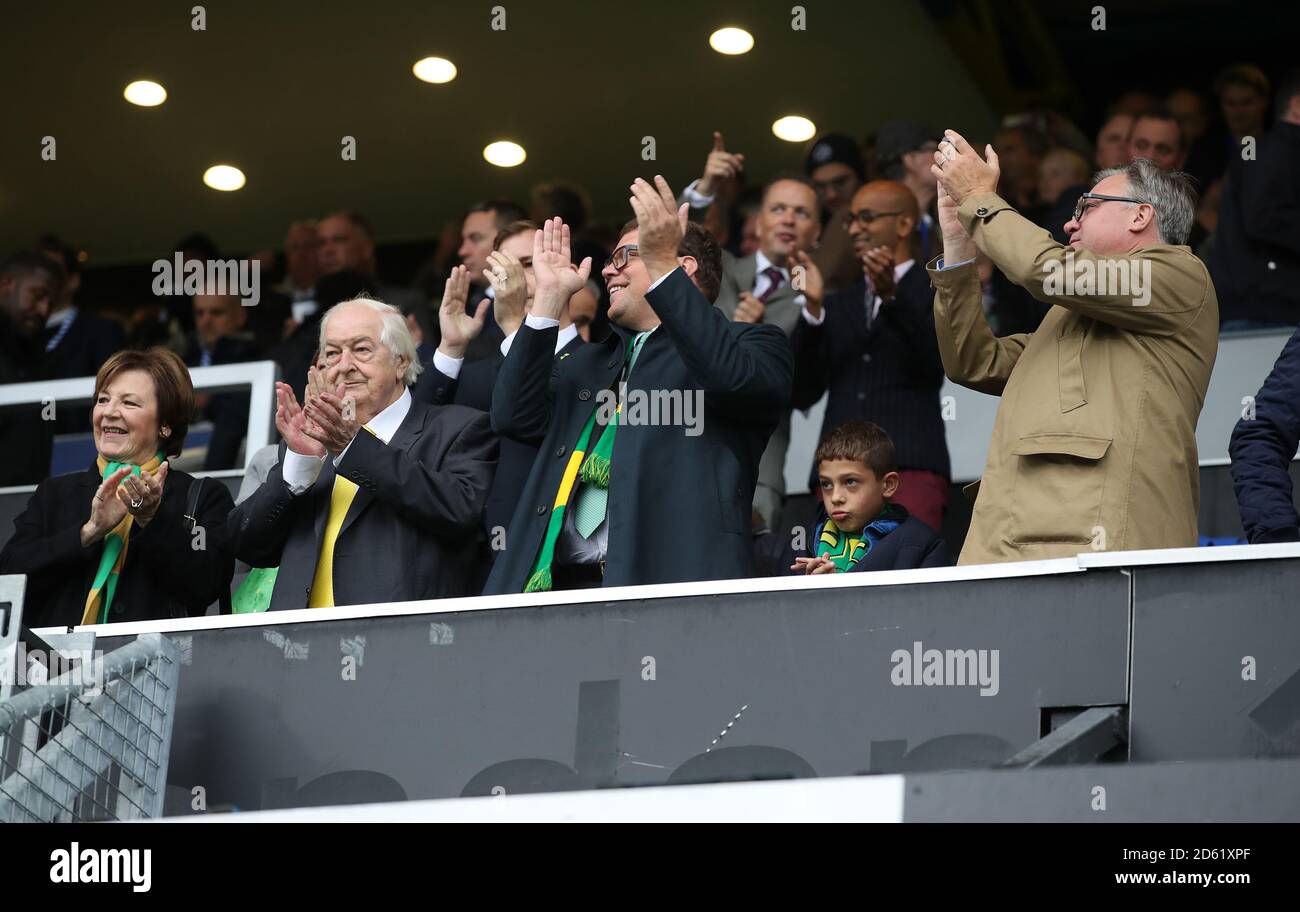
(393, 334)
(1169, 193)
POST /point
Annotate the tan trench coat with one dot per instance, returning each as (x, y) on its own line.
(1094, 445)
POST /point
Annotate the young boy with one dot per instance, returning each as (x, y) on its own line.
(858, 529)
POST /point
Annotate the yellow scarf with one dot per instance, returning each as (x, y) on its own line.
(114, 556)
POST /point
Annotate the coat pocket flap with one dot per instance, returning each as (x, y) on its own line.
(1062, 445)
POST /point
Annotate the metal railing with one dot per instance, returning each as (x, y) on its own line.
(93, 743)
(259, 375)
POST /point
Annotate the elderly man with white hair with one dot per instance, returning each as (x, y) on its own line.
(376, 497)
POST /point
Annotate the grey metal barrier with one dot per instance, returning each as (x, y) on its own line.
(93, 743)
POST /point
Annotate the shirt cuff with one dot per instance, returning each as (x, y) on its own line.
(939, 264)
(697, 199)
(446, 364)
(300, 472)
(810, 319)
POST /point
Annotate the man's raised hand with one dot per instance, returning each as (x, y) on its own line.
(661, 225)
(719, 167)
(878, 266)
(557, 279)
(459, 328)
(959, 169)
(749, 309)
(510, 289)
(810, 283)
(957, 244)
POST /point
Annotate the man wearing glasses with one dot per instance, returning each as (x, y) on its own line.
(617, 500)
(1094, 445)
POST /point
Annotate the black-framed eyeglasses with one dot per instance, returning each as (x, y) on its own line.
(618, 259)
(1079, 210)
(864, 217)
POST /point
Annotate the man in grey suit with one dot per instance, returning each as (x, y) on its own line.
(376, 496)
(771, 286)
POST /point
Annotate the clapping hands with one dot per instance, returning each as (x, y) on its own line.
(553, 270)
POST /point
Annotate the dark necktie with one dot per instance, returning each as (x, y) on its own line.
(777, 280)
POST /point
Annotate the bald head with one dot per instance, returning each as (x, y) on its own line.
(884, 213)
(1060, 170)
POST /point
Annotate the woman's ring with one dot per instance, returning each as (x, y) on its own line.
(137, 504)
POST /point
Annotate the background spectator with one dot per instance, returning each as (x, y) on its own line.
(1256, 256)
(30, 283)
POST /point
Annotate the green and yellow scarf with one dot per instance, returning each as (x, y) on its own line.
(590, 468)
(114, 556)
(847, 548)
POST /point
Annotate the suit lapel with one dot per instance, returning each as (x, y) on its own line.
(569, 348)
(747, 272)
(407, 433)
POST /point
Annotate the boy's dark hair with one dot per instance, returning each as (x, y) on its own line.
(859, 441)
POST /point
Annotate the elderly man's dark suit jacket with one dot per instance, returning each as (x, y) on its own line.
(409, 533)
(679, 506)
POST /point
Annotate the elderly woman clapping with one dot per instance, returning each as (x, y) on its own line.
(128, 539)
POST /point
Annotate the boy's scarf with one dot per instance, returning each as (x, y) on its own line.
(845, 549)
(593, 469)
(114, 556)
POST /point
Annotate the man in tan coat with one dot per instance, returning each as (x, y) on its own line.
(1094, 446)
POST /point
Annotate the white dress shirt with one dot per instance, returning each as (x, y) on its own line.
(874, 303)
(300, 472)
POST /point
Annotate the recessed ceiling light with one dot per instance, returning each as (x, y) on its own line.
(731, 41)
(434, 69)
(144, 93)
(224, 177)
(794, 128)
(504, 154)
